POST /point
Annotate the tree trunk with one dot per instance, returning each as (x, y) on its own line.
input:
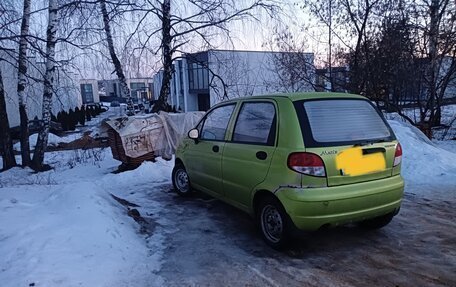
(162, 102)
(21, 77)
(433, 54)
(6, 144)
(51, 39)
(124, 90)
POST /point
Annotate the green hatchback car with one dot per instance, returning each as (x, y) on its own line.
(302, 160)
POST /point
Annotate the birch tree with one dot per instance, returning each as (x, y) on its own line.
(7, 19)
(22, 80)
(51, 39)
(6, 144)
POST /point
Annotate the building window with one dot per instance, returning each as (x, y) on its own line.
(136, 88)
(198, 77)
(87, 93)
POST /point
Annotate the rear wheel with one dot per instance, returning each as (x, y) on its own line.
(273, 222)
(377, 222)
(181, 181)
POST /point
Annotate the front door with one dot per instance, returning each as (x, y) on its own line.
(247, 156)
(204, 102)
(204, 156)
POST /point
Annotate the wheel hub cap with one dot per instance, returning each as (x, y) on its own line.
(271, 223)
(182, 181)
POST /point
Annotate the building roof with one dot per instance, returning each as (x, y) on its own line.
(204, 53)
(258, 51)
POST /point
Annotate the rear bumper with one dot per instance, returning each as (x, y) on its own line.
(312, 208)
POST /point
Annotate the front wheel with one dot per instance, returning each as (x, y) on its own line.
(273, 222)
(181, 181)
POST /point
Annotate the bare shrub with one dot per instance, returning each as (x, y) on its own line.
(86, 156)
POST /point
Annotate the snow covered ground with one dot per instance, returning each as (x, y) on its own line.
(53, 140)
(63, 228)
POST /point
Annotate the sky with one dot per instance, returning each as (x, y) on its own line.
(253, 35)
(95, 63)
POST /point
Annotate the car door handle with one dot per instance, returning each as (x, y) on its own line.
(215, 148)
(261, 155)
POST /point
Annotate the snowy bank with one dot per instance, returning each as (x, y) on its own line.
(67, 235)
(53, 140)
(63, 228)
(428, 169)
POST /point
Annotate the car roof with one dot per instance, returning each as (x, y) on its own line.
(301, 96)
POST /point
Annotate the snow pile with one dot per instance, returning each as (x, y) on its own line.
(53, 140)
(423, 162)
(449, 145)
(63, 228)
(65, 235)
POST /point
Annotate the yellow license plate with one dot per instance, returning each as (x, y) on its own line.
(353, 162)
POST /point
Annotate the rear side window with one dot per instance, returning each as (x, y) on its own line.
(256, 124)
(216, 122)
(344, 121)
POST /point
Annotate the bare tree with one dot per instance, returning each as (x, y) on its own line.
(51, 40)
(352, 23)
(7, 17)
(167, 55)
(22, 80)
(292, 64)
(433, 69)
(201, 19)
(124, 90)
(6, 144)
(441, 33)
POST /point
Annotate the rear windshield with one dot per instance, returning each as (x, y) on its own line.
(342, 121)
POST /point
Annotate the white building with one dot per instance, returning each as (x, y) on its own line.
(203, 79)
(141, 89)
(89, 91)
(67, 94)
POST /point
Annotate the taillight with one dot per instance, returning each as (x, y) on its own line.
(306, 163)
(398, 155)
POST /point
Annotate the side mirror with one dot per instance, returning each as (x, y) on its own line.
(193, 134)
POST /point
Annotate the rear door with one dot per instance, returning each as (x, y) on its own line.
(351, 136)
(204, 156)
(247, 156)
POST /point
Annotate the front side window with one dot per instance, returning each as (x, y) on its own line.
(256, 124)
(216, 122)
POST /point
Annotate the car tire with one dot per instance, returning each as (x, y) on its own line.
(181, 180)
(376, 222)
(273, 222)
